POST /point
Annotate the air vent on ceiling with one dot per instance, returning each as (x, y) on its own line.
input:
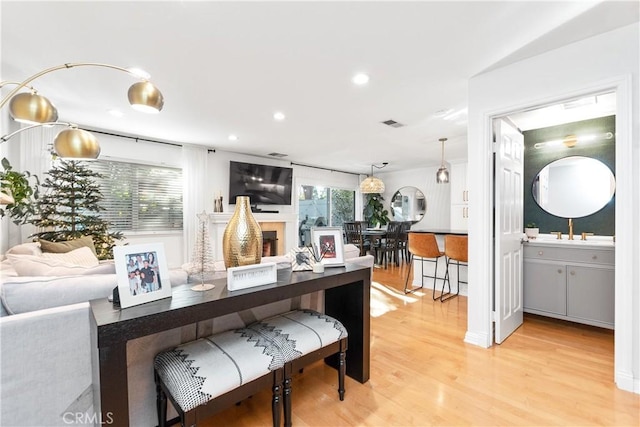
(278, 155)
(393, 123)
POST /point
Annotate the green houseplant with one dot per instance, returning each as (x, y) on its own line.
(531, 230)
(25, 194)
(374, 212)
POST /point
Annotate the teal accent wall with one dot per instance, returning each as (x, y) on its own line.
(601, 222)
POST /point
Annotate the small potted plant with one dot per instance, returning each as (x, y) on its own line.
(531, 230)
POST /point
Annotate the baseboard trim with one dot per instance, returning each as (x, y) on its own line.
(479, 339)
(625, 381)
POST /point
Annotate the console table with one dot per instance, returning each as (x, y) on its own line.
(346, 293)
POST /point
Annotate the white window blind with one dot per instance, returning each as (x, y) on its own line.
(140, 197)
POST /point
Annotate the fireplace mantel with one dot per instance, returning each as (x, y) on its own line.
(219, 221)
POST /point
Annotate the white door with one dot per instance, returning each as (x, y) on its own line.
(508, 229)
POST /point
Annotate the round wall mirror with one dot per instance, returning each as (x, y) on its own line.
(573, 187)
(408, 204)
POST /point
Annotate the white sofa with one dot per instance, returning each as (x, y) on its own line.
(46, 355)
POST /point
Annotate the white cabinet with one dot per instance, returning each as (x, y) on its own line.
(569, 282)
(460, 217)
(459, 197)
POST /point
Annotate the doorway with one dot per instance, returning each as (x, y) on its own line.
(574, 130)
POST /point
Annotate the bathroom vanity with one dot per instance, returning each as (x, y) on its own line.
(571, 279)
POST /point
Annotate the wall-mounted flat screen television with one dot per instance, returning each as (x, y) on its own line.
(265, 185)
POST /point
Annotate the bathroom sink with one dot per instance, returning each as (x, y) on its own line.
(600, 241)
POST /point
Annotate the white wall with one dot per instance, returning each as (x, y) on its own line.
(438, 196)
(607, 61)
(217, 181)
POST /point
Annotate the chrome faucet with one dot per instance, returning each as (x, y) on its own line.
(570, 229)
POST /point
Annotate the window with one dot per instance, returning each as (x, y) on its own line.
(323, 206)
(140, 197)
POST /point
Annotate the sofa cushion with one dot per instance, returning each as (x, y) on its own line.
(68, 245)
(23, 294)
(80, 261)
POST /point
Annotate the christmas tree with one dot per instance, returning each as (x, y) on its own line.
(202, 257)
(70, 205)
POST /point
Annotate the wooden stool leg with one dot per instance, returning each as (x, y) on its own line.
(277, 393)
(342, 368)
(288, 369)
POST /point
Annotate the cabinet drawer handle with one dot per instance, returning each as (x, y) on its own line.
(540, 253)
(559, 271)
(573, 273)
(594, 257)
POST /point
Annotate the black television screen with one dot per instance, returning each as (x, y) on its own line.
(265, 185)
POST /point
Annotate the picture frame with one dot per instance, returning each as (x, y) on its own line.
(302, 259)
(329, 245)
(142, 273)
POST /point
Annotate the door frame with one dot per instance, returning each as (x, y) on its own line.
(480, 310)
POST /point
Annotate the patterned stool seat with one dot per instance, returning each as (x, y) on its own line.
(197, 372)
(303, 337)
(300, 332)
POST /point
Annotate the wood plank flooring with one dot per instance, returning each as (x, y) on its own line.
(548, 373)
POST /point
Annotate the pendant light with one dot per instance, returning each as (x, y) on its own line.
(442, 176)
(371, 184)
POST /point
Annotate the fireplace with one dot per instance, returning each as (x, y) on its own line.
(269, 243)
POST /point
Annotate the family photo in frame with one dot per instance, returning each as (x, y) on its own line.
(142, 273)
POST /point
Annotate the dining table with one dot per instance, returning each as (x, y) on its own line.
(375, 235)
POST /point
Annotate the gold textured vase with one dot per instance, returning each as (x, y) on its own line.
(242, 238)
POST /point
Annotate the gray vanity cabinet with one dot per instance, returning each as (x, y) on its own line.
(571, 283)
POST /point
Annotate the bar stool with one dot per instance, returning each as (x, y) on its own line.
(425, 246)
(456, 251)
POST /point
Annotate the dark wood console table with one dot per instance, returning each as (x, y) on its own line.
(347, 295)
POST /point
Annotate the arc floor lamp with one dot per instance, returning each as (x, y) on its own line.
(73, 142)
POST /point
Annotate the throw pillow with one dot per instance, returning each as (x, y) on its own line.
(82, 256)
(59, 265)
(31, 248)
(68, 245)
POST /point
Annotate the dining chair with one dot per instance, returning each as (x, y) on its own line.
(403, 247)
(424, 246)
(353, 232)
(389, 246)
(456, 252)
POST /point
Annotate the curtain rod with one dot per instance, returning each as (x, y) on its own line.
(326, 169)
(136, 138)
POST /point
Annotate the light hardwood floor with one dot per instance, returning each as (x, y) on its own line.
(548, 373)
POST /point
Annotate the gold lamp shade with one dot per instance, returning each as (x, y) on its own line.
(371, 185)
(145, 97)
(76, 144)
(32, 108)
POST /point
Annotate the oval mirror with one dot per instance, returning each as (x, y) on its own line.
(573, 187)
(408, 204)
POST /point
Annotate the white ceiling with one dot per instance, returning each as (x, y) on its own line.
(225, 67)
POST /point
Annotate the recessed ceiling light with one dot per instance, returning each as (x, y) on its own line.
(278, 115)
(443, 112)
(360, 79)
(233, 137)
(115, 113)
